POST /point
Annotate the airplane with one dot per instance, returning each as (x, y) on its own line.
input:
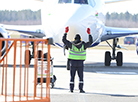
(78, 15)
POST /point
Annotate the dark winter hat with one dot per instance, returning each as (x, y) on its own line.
(77, 37)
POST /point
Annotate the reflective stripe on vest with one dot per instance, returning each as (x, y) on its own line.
(77, 54)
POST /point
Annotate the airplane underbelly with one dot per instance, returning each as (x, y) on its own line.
(75, 28)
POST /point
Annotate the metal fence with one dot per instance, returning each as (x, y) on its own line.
(18, 79)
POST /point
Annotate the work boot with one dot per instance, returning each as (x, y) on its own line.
(82, 91)
(71, 91)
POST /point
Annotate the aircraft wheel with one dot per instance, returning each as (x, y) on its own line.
(27, 51)
(119, 59)
(53, 80)
(107, 58)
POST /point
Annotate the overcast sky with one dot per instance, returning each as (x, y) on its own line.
(131, 6)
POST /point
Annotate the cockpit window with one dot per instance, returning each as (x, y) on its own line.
(81, 1)
(64, 1)
(92, 3)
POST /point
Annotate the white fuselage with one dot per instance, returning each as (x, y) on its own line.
(56, 16)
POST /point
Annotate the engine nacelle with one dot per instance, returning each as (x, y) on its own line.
(3, 34)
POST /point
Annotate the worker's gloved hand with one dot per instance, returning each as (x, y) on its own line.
(88, 31)
(66, 29)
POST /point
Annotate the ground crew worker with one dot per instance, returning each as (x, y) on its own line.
(77, 55)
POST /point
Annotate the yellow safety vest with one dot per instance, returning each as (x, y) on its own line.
(77, 54)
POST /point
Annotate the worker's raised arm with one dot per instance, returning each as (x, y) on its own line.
(88, 44)
(64, 39)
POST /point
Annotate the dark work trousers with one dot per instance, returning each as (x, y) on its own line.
(76, 65)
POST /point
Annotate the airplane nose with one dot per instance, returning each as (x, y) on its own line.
(77, 17)
(57, 18)
(61, 15)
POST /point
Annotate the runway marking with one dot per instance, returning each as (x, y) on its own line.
(122, 73)
(116, 95)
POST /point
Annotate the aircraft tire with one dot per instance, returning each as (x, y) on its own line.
(52, 85)
(119, 59)
(107, 58)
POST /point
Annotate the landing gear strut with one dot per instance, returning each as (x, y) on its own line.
(118, 58)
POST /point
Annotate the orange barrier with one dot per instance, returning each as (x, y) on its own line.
(18, 83)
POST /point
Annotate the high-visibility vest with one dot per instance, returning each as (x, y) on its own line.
(77, 54)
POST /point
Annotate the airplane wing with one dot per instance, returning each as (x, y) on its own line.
(114, 32)
(33, 30)
(114, 1)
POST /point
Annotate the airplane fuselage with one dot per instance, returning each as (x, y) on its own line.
(56, 16)
(78, 15)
